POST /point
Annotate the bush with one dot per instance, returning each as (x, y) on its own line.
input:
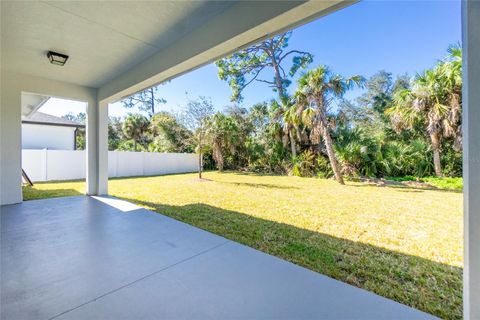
(323, 168)
(303, 165)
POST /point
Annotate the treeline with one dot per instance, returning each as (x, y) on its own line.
(397, 127)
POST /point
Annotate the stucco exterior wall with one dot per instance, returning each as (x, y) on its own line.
(471, 157)
(37, 136)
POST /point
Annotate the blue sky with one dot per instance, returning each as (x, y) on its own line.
(397, 36)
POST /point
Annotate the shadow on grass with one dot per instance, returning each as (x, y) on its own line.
(405, 188)
(430, 286)
(154, 175)
(257, 185)
(252, 173)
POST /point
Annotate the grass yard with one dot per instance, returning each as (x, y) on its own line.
(404, 243)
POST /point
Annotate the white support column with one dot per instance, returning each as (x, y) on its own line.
(471, 157)
(91, 148)
(10, 142)
(97, 149)
(102, 183)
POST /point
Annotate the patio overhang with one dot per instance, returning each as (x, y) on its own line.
(253, 22)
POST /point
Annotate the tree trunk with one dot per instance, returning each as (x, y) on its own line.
(278, 79)
(134, 145)
(281, 95)
(436, 154)
(292, 144)
(200, 165)
(152, 97)
(331, 154)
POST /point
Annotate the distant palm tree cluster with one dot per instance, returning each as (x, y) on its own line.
(397, 127)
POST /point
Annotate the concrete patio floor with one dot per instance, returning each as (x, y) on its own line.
(104, 258)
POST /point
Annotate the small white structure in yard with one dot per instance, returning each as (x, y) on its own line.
(44, 131)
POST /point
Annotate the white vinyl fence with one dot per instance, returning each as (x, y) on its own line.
(46, 165)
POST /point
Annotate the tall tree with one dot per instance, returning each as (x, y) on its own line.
(81, 117)
(146, 100)
(196, 115)
(245, 66)
(288, 117)
(134, 128)
(316, 90)
(115, 133)
(224, 135)
(434, 101)
(368, 110)
(169, 135)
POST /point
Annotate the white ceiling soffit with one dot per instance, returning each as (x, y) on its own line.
(32, 102)
(242, 24)
(123, 47)
(103, 39)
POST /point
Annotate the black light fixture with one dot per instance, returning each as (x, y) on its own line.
(57, 58)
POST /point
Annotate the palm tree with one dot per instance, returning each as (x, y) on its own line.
(287, 115)
(316, 90)
(134, 127)
(223, 134)
(452, 70)
(434, 102)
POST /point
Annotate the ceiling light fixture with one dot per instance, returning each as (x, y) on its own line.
(57, 58)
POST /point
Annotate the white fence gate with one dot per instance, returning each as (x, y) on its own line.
(46, 165)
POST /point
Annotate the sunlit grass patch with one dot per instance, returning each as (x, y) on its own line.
(445, 183)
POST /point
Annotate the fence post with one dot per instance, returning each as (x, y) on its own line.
(116, 163)
(44, 164)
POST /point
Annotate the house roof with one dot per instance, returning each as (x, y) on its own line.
(48, 119)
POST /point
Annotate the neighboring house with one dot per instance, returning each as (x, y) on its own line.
(44, 131)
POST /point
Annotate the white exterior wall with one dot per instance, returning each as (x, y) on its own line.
(10, 140)
(48, 165)
(471, 157)
(38, 136)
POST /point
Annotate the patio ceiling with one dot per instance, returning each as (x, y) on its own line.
(123, 47)
(103, 39)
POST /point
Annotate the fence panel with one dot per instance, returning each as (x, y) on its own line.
(33, 162)
(46, 165)
(65, 165)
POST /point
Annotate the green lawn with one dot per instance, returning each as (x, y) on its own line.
(404, 243)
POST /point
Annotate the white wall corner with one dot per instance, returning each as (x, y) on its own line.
(102, 182)
(471, 157)
(10, 141)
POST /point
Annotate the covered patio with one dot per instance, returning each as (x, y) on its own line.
(98, 257)
(105, 258)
